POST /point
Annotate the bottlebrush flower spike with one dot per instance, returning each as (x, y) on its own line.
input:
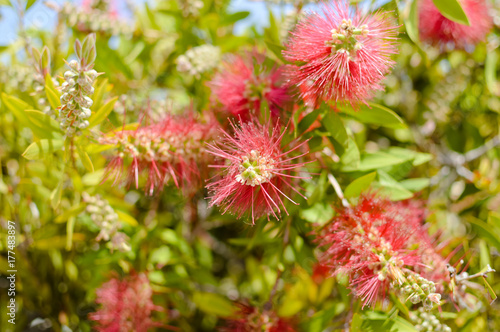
(170, 150)
(340, 54)
(251, 319)
(256, 174)
(125, 305)
(437, 29)
(245, 82)
(371, 243)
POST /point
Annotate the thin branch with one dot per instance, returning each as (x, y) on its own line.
(338, 190)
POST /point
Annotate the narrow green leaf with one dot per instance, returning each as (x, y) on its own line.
(213, 304)
(72, 212)
(86, 161)
(39, 149)
(126, 218)
(276, 49)
(350, 160)
(234, 17)
(411, 22)
(416, 184)
(52, 94)
(452, 10)
(55, 196)
(391, 188)
(17, 107)
(490, 72)
(102, 113)
(333, 123)
(307, 121)
(99, 94)
(29, 3)
(490, 233)
(356, 187)
(375, 114)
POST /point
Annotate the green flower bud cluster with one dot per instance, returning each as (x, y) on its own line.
(190, 8)
(77, 88)
(199, 60)
(418, 289)
(105, 217)
(94, 19)
(427, 322)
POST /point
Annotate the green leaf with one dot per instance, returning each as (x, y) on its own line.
(99, 94)
(55, 196)
(488, 232)
(85, 159)
(318, 213)
(72, 212)
(391, 188)
(17, 107)
(411, 22)
(490, 72)
(308, 120)
(39, 149)
(234, 17)
(452, 10)
(416, 184)
(333, 123)
(126, 218)
(379, 159)
(350, 160)
(276, 49)
(214, 304)
(52, 94)
(29, 3)
(375, 114)
(102, 113)
(356, 187)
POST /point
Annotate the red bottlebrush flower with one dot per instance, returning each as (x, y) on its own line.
(172, 149)
(437, 29)
(126, 305)
(340, 54)
(369, 242)
(245, 82)
(251, 319)
(256, 174)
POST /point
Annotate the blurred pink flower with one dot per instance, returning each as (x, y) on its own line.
(437, 29)
(170, 150)
(245, 82)
(250, 319)
(125, 305)
(340, 54)
(256, 173)
(370, 243)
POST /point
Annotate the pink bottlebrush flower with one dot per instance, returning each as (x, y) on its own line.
(250, 319)
(245, 82)
(170, 150)
(125, 305)
(370, 243)
(340, 54)
(437, 29)
(256, 174)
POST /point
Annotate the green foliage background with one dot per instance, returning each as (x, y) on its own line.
(433, 133)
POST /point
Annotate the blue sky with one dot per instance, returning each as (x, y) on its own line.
(41, 17)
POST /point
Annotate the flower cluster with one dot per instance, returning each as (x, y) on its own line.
(371, 243)
(105, 217)
(340, 54)
(254, 176)
(427, 322)
(77, 88)
(252, 319)
(437, 29)
(199, 59)
(245, 83)
(172, 149)
(126, 305)
(93, 16)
